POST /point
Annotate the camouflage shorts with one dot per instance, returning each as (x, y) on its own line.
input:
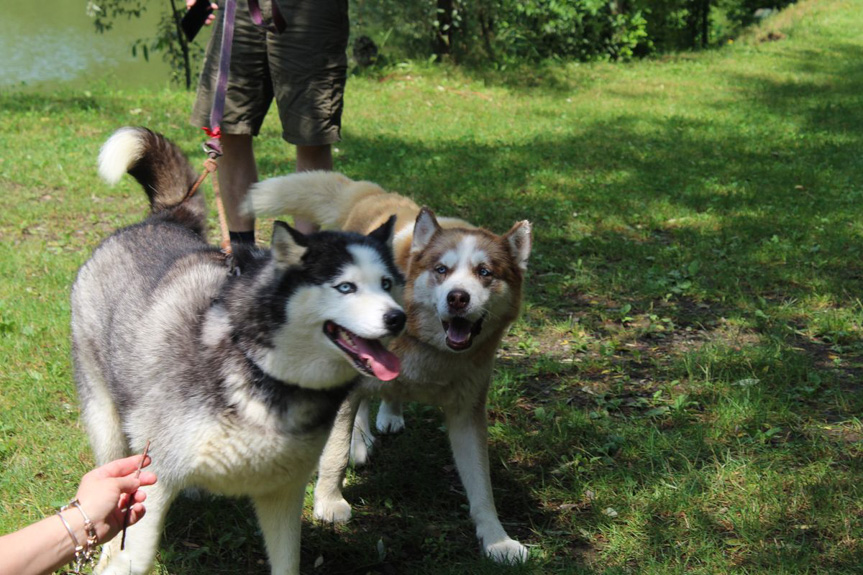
(304, 68)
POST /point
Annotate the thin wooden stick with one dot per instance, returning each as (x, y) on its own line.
(130, 500)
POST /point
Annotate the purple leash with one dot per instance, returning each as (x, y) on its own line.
(213, 145)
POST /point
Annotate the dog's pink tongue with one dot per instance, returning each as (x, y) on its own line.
(459, 330)
(385, 365)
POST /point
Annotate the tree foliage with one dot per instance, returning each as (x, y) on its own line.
(532, 30)
(483, 31)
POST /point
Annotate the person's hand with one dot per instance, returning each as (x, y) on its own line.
(211, 17)
(104, 492)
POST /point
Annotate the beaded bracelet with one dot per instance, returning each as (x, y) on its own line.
(89, 528)
(83, 553)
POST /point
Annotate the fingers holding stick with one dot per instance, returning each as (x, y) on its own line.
(130, 501)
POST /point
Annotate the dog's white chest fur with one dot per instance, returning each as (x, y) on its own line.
(238, 457)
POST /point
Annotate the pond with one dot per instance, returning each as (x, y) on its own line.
(53, 43)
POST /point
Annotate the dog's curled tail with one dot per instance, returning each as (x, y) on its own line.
(162, 170)
(325, 198)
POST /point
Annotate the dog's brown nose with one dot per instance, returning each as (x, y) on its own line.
(395, 321)
(457, 299)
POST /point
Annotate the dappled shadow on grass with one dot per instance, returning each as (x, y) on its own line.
(765, 199)
(212, 534)
(689, 219)
(410, 516)
(746, 215)
(411, 499)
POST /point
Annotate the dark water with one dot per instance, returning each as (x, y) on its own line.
(50, 43)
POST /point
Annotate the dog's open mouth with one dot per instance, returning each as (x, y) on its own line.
(460, 332)
(369, 355)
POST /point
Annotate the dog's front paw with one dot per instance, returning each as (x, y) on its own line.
(507, 551)
(390, 418)
(333, 511)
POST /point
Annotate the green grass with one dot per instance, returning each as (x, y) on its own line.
(682, 393)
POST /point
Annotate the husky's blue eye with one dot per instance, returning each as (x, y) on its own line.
(484, 272)
(441, 269)
(346, 287)
(386, 284)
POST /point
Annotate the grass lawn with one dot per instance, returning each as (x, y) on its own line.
(682, 393)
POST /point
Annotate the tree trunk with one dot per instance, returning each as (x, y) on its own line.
(705, 24)
(184, 45)
(443, 35)
(486, 25)
(698, 23)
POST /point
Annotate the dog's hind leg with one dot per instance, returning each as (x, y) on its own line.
(279, 515)
(390, 417)
(468, 434)
(97, 407)
(104, 429)
(330, 505)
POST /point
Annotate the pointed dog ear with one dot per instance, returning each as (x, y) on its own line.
(384, 233)
(425, 227)
(520, 240)
(288, 245)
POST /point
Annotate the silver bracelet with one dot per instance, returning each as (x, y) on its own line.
(79, 549)
(83, 553)
(89, 528)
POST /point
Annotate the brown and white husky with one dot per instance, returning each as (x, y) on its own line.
(463, 290)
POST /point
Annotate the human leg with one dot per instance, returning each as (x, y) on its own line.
(311, 158)
(247, 98)
(308, 64)
(237, 171)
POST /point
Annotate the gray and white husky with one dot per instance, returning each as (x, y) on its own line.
(234, 379)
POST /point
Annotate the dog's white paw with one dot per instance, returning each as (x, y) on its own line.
(507, 551)
(361, 448)
(389, 420)
(332, 511)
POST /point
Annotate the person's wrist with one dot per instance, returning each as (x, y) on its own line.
(76, 522)
(101, 525)
(73, 538)
(83, 535)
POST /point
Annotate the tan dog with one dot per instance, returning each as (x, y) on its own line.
(463, 290)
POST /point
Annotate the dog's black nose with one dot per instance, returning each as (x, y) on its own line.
(395, 321)
(457, 299)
